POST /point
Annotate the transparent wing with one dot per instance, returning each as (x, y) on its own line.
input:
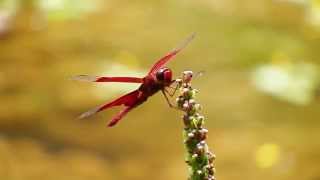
(162, 61)
(88, 78)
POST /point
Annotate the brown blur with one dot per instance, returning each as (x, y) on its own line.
(262, 124)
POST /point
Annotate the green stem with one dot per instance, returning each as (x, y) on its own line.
(199, 158)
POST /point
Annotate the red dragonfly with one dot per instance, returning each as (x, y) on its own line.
(158, 78)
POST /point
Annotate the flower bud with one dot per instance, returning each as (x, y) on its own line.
(199, 172)
(200, 149)
(200, 118)
(186, 89)
(210, 178)
(200, 121)
(211, 171)
(197, 107)
(192, 101)
(204, 130)
(192, 110)
(186, 120)
(194, 156)
(192, 94)
(185, 106)
(187, 94)
(190, 135)
(211, 157)
(202, 134)
(187, 76)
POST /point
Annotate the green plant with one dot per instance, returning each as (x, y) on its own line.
(198, 157)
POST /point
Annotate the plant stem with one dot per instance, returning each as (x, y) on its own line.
(198, 157)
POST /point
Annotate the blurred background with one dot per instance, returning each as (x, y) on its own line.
(259, 92)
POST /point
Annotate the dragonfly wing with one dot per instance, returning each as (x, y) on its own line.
(127, 100)
(119, 116)
(88, 78)
(84, 78)
(89, 113)
(162, 61)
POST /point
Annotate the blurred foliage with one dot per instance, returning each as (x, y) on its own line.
(295, 82)
(64, 10)
(254, 135)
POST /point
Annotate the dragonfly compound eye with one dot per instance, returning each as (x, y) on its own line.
(164, 75)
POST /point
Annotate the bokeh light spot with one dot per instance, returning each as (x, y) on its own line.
(267, 155)
(71, 9)
(314, 13)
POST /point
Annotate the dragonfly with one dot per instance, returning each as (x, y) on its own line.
(159, 78)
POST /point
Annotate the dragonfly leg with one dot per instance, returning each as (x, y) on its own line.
(168, 101)
(175, 88)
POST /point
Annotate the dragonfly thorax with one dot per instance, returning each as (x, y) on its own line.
(164, 75)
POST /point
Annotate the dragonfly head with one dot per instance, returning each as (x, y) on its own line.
(164, 75)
